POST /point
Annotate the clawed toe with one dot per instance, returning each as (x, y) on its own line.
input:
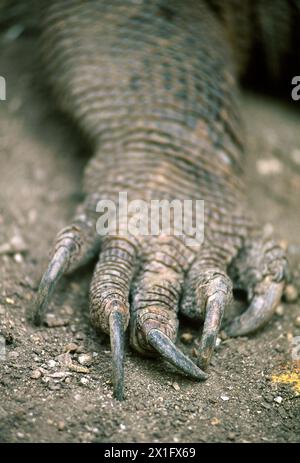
(259, 312)
(55, 270)
(117, 348)
(167, 349)
(261, 269)
(155, 293)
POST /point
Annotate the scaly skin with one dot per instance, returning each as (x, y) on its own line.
(153, 87)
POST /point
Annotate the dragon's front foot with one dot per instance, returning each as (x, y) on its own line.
(156, 96)
(144, 281)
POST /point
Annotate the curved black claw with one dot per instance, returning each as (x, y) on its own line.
(116, 326)
(167, 349)
(260, 311)
(55, 270)
(214, 312)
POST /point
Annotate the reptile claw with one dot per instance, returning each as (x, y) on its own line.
(215, 308)
(116, 325)
(167, 349)
(259, 313)
(55, 270)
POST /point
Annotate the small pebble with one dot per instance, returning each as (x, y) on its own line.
(84, 381)
(290, 293)
(68, 310)
(231, 436)
(60, 374)
(64, 359)
(266, 406)
(53, 322)
(71, 347)
(78, 368)
(212, 400)
(268, 166)
(51, 364)
(268, 230)
(215, 421)
(36, 374)
(187, 338)
(61, 425)
(86, 437)
(278, 399)
(297, 322)
(176, 386)
(268, 398)
(85, 359)
(223, 335)
(18, 258)
(15, 245)
(218, 342)
(279, 310)
(284, 244)
(224, 397)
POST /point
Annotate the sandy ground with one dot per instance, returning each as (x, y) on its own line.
(46, 394)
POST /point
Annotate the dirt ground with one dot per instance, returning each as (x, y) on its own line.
(48, 395)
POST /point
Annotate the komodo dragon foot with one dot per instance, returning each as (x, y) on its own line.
(152, 85)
